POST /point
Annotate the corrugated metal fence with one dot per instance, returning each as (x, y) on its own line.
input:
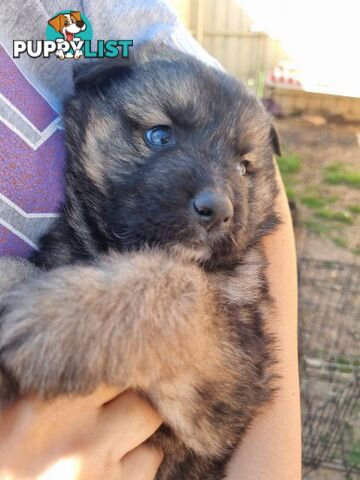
(224, 29)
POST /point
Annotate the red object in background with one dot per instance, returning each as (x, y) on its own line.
(284, 75)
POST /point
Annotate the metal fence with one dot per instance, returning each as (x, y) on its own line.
(330, 364)
(225, 30)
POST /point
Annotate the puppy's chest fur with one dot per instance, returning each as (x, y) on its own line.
(246, 379)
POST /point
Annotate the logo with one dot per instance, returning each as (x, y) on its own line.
(68, 35)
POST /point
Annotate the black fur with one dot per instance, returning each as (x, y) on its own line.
(216, 122)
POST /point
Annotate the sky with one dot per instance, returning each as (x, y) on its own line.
(322, 38)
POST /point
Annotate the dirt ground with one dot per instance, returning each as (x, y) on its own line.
(320, 166)
(325, 185)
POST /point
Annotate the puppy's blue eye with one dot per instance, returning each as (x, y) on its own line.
(159, 136)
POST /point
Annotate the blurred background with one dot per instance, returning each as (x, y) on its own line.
(302, 59)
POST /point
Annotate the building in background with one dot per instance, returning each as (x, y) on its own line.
(303, 54)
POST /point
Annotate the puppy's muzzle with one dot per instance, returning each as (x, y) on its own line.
(212, 209)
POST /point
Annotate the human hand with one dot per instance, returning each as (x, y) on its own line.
(84, 438)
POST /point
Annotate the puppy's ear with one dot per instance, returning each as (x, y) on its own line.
(275, 142)
(97, 74)
(76, 15)
(55, 23)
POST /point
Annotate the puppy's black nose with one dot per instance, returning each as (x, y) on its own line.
(212, 209)
(80, 23)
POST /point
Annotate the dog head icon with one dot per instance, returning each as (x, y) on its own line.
(68, 24)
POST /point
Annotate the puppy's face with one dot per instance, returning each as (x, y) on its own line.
(179, 153)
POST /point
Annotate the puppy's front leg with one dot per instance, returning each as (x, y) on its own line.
(125, 321)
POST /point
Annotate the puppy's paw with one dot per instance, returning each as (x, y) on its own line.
(41, 349)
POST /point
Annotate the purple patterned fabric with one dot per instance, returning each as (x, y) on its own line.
(31, 161)
(12, 245)
(32, 179)
(15, 87)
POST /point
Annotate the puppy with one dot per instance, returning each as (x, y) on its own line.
(153, 276)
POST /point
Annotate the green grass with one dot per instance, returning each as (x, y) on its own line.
(355, 209)
(329, 264)
(341, 216)
(323, 214)
(347, 361)
(344, 369)
(337, 174)
(342, 360)
(289, 164)
(331, 198)
(319, 228)
(313, 201)
(340, 242)
(290, 192)
(353, 457)
(344, 364)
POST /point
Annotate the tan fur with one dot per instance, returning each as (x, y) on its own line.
(245, 284)
(93, 168)
(14, 270)
(149, 309)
